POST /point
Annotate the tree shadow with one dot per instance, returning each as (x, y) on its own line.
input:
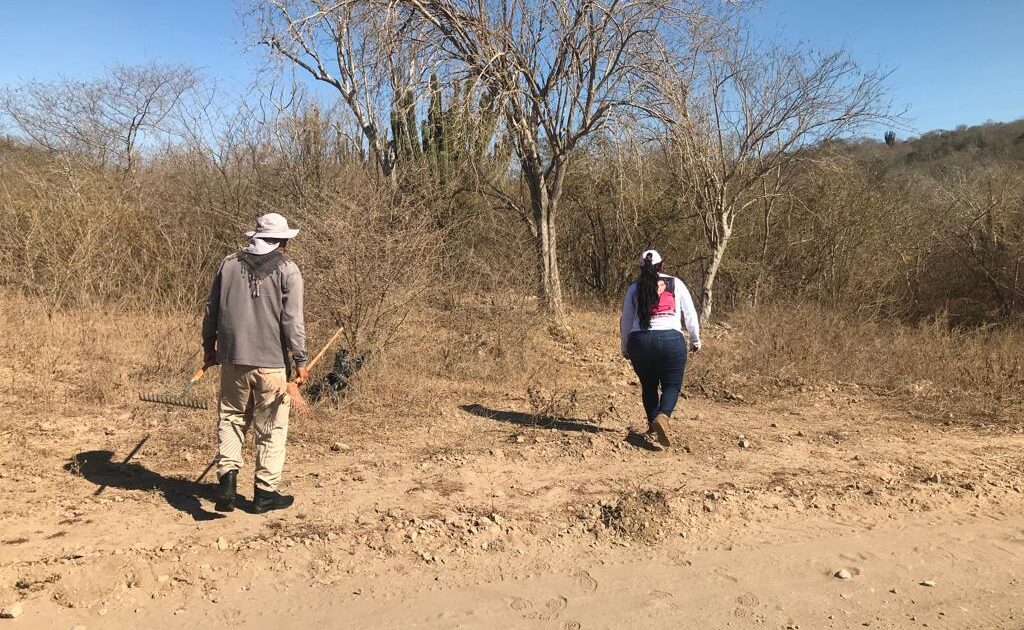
(181, 494)
(528, 420)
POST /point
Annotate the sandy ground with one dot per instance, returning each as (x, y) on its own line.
(477, 517)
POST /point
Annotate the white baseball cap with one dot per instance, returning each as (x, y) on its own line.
(655, 257)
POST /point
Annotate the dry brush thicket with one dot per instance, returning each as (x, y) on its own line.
(440, 211)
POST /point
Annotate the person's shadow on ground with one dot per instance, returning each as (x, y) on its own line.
(180, 494)
(530, 420)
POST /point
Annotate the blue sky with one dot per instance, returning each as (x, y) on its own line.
(954, 61)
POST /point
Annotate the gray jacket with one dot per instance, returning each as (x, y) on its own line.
(258, 329)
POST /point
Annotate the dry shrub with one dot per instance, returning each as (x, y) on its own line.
(72, 235)
(548, 406)
(369, 262)
(933, 367)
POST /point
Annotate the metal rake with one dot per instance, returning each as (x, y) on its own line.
(180, 399)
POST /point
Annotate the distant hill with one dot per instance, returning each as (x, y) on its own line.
(996, 141)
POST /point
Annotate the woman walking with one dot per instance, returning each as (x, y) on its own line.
(651, 335)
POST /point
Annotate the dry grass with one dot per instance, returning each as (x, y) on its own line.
(91, 364)
(930, 368)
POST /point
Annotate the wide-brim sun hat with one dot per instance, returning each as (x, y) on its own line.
(272, 225)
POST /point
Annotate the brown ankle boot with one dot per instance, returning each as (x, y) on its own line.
(660, 428)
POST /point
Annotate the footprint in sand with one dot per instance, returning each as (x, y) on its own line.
(747, 603)
(552, 609)
(662, 599)
(748, 599)
(584, 580)
(521, 605)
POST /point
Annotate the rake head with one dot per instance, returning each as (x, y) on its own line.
(177, 400)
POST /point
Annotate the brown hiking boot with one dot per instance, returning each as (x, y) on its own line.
(660, 429)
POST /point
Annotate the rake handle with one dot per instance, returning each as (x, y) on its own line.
(292, 388)
(323, 351)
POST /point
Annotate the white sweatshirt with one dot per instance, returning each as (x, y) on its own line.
(674, 307)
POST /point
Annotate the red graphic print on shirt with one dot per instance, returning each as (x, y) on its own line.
(666, 306)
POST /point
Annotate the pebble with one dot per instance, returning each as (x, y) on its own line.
(222, 544)
(799, 433)
(167, 546)
(163, 578)
(928, 583)
(774, 425)
(338, 447)
(843, 574)
(744, 444)
(894, 591)
(12, 611)
(520, 439)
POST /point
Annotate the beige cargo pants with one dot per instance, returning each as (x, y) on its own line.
(253, 396)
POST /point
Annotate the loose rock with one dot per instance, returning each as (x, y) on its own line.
(338, 447)
(744, 444)
(928, 583)
(222, 544)
(843, 574)
(12, 611)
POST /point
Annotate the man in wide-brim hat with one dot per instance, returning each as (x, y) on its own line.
(254, 329)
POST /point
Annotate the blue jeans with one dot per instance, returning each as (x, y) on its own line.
(659, 359)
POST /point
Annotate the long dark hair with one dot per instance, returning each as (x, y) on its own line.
(647, 291)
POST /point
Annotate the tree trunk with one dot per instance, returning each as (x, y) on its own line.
(545, 238)
(710, 274)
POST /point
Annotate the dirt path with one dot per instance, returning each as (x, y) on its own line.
(478, 518)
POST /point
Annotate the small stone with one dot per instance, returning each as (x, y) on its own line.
(928, 583)
(799, 433)
(222, 544)
(774, 425)
(744, 443)
(520, 439)
(934, 478)
(12, 611)
(163, 578)
(167, 546)
(843, 574)
(338, 447)
(894, 591)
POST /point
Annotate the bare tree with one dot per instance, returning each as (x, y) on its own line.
(369, 52)
(560, 71)
(106, 119)
(742, 117)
